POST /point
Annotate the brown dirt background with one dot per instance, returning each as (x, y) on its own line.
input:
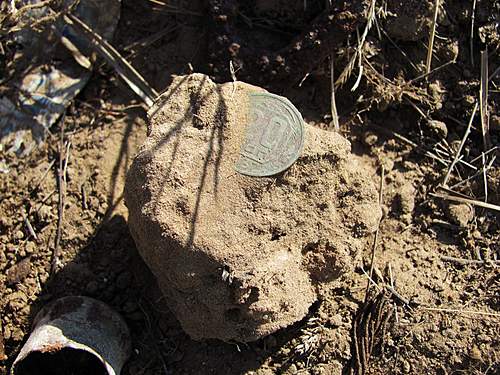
(106, 125)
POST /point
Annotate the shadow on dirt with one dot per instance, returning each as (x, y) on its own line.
(110, 269)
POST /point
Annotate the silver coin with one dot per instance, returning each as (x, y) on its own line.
(274, 136)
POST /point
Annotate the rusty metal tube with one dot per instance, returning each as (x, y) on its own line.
(75, 335)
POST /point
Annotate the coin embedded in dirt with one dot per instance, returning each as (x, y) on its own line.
(274, 136)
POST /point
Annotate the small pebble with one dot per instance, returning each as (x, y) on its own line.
(438, 127)
(460, 213)
(387, 163)
(475, 354)
(406, 366)
(17, 334)
(370, 138)
(30, 247)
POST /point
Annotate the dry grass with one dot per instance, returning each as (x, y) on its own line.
(122, 67)
(430, 46)
(357, 57)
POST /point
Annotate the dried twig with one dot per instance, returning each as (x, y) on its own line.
(392, 286)
(466, 200)
(49, 167)
(375, 240)
(484, 169)
(133, 79)
(471, 39)
(468, 261)
(493, 75)
(144, 42)
(485, 178)
(168, 8)
(61, 182)
(357, 56)
(411, 143)
(333, 104)
(431, 38)
(422, 76)
(494, 148)
(405, 55)
(388, 288)
(30, 227)
(457, 156)
(480, 313)
(483, 100)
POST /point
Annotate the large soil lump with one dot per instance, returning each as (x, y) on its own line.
(240, 257)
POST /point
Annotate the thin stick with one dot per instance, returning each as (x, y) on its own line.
(411, 143)
(62, 192)
(497, 70)
(422, 76)
(346, 73)
(467, 200)
(452, 192)
(431, 38)
(399, 49)
(172, 9)
(133, 79)
(398, 296)
(485, 153)
(392, 286)
(375, 240)
(417, 109)
(30, 227)
(467, 131)
(483, 100)
(471, 40)
(467, 261)
(403, 300)
(485, 178)
(483, 170)
(370, 280)
(333, 105)
(496, 315)
(49, 167)
(150, 39)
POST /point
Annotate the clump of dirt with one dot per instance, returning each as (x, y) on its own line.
(240, 257)
(408, 21)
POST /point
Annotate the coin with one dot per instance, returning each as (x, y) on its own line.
(274, 136)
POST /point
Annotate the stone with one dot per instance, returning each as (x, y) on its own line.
(405, 199)
(439, 128)
(460, 214)
(370, 138)
(240, 257)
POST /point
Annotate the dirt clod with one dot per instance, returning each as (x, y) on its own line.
(409, 22)
(438, 128)
(460, 213)
(18, 272)
(240, 257)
